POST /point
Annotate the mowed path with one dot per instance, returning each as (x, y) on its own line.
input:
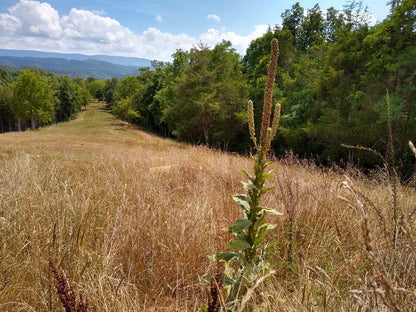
(92, 130)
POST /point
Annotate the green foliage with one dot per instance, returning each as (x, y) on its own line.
(32, 98)
(205, 101)
(126, 87)
(95, 88)
(108, 91)
(70, 99)
(124, 109)
(334, 82)
(6, 114)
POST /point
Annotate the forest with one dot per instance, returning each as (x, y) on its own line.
(341, 82)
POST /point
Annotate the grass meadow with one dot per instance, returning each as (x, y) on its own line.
(130, 218)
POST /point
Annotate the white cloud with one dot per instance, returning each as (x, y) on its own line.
(159, 18)
(155, 44)
(32, 25)
(85, 25)
(240, 43)
(8, 24)
(214, 17)
(99, 12)
(36, 19)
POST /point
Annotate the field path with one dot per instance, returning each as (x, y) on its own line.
(94, 128)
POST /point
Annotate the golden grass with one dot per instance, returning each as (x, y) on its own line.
(130, 219)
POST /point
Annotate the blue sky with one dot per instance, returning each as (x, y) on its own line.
(150, 29)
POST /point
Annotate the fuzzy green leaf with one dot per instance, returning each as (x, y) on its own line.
(238, 244)
(267, 175)
(239, 225)
(251, 178)
(272, 211)
(243, 201)
(268, 226)
(227, 256)
(248, 186)
(239, 235)
(261, 232)
(267, 189)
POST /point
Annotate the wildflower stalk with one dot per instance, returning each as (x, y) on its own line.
(247, 264)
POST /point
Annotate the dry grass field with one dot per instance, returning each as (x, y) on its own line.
(130, 218)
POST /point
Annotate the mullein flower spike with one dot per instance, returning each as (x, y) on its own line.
(250, 119)
(271, 132)
(268, 95)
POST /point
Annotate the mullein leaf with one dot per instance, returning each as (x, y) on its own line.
(239, 244)
(266, 189)
(272, 211)
(239, 225)
(249, 187)
(228, 256)
(251, 178)
(243, 201)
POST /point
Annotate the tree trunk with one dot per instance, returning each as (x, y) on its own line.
(32, 121)
(226, 145)
(19, 128)
(206, 135)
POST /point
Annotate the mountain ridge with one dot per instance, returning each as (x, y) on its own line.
(75, 65)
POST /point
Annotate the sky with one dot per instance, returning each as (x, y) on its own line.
(152, 29)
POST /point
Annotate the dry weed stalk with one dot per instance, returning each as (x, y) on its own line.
(66, 293)
(393, 177)
(383, 281)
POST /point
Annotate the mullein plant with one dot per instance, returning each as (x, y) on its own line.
(246, 265)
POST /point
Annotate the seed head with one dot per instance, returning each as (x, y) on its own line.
(276, 120)
(268, 94)
(250, 119)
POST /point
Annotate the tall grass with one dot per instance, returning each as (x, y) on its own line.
(128, 218)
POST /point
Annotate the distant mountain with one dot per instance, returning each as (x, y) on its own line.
(75, 65)
(121, 60)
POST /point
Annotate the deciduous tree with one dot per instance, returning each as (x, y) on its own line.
(32, 98)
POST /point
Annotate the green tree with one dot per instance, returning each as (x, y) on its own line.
(6, 114)
(313, 29)
(293, 20)
(126, 87)
(96, 87)
(124, 109)
(85, 97)
(207, 97)
(108, 91)
(32, 99)
(70, 100)
(6, 94)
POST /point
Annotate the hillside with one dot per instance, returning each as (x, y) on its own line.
(130, 218)
(120, 60)
(75, 65)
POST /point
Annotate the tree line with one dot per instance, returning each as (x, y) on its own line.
(340, 81)
(34, 97)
